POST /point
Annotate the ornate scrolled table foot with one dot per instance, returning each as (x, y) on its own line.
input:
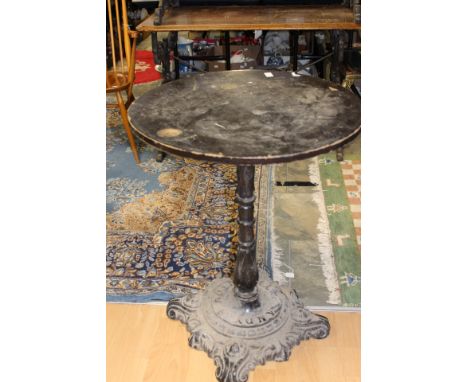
(237, 338)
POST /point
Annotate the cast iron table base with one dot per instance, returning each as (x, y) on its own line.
(252, 320)
(239, 339)
(244, 322)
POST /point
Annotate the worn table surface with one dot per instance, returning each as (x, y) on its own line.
(271, 17)
(247, 116)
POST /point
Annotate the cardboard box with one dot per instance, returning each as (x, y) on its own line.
(215, 66)
(249, 51)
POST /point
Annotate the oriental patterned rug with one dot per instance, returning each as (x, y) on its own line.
(171, 226)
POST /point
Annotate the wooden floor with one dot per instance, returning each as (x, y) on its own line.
(144, 345)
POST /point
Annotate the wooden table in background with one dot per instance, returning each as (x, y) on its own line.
(237, 18)
(231, 18)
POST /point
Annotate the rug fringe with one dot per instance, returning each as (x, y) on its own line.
(276, 252)
(324, 237)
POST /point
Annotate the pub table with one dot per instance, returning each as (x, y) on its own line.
(245, 118)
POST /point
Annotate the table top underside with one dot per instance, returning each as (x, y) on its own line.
(231, 18)
(247, 116)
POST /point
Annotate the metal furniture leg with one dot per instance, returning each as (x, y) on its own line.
(173, 39)
(227, 49)
(294, 49)
(338, 56)
(155, 48)
(244, 322)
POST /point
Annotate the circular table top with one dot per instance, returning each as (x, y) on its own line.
(247, 116)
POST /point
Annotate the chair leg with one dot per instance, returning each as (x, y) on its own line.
(130, 97)
(159, 156)
(123, 113)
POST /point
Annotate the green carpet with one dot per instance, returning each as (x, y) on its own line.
(345, 246)
(313, 229)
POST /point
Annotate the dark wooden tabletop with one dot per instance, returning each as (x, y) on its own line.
(247, 116)
(264, 17)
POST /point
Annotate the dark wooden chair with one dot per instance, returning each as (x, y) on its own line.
(120, 72)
